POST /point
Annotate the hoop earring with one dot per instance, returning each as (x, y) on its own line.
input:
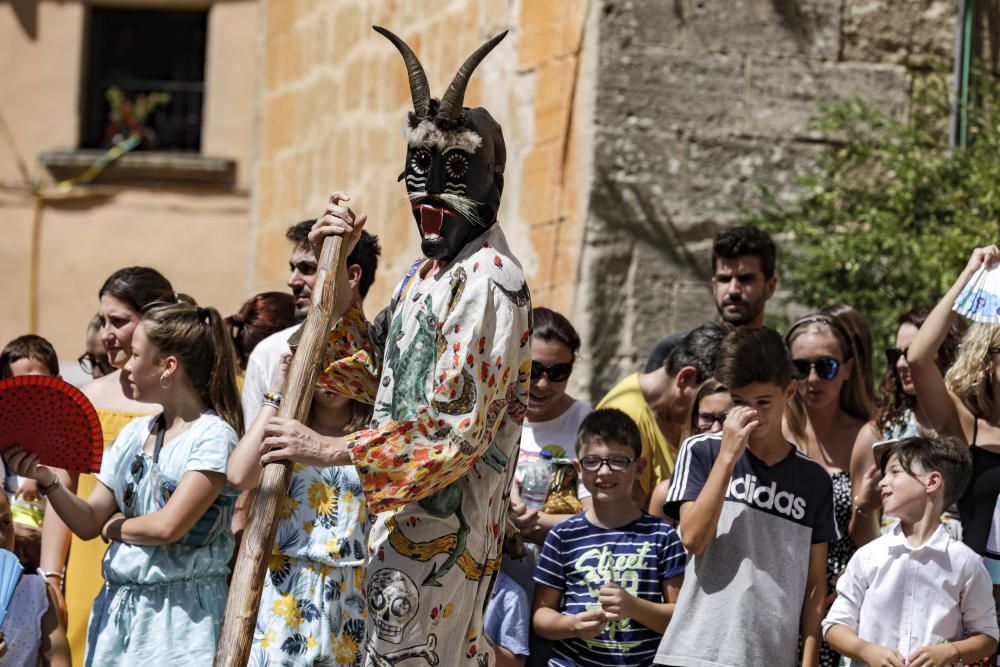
(166, 381)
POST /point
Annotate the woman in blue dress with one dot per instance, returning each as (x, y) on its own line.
(163, 501)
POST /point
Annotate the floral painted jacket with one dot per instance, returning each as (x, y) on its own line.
(437, 462)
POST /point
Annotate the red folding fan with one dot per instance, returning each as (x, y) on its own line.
(53, 419)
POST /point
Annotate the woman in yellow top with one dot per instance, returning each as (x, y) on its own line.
(123, 297)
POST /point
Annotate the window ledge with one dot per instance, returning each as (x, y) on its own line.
(142, 167)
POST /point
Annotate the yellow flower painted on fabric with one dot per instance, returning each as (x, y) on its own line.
(333, 548)
(471, 634)
(325, 570)
(310, 642)
(307, 526)
(268, 638)
(448, 608)
(347, 496)
(288, 507)
(277, 562)
(359, 578)
(347, 650)
(286, 608)
(323, 498)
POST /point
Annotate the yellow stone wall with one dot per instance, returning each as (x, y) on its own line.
(332, 102)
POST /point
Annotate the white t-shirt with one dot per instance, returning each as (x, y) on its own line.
(261, 365)
(556, 435)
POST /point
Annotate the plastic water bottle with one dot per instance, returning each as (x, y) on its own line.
(535, 486)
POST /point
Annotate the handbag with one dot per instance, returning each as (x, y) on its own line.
(562, 498)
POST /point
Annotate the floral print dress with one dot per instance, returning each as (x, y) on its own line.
(312, 610)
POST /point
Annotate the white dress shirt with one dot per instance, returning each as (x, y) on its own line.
(904, 597)
(261, 366)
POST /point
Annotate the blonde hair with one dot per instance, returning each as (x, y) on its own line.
(855, 399)
(968, 378)
(200, 340)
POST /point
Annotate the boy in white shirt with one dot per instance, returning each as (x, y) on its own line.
(916, 597)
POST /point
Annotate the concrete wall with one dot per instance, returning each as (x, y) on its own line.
(59, 248)
(698, 104)
(333, 101)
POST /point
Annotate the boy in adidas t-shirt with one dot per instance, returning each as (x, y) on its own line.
(607, 578)
(755, 515)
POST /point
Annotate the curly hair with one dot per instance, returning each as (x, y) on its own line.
(894, 403)
(970, 377)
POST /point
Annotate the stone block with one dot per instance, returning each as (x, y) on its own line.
(553, 98)
(542, 24)
(604, 323)
(809, 28)
(672, 92)
(725, 176)
(539, 176)
(915, 33)
(280, 16)
(785, 96)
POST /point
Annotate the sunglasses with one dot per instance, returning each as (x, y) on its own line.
(706, 420)
(893, 355)
(555, 372)
(826, 368)
(615, 463)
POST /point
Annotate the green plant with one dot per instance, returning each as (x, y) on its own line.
(889, 215)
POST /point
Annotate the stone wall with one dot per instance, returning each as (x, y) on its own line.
(699, 103)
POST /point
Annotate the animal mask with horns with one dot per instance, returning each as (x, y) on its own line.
(454, 160)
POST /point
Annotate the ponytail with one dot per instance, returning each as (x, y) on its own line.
(198, 337)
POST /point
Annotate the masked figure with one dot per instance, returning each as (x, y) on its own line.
(451, 365)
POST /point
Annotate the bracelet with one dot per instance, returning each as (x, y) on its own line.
(46, 574)
(45, 490)
(860, 510)
(958, 654)
(274, 400)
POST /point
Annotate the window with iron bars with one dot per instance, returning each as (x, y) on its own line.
(153, 62)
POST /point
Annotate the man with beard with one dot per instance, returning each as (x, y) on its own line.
(263, 361)
(447, 367)
(742, 280)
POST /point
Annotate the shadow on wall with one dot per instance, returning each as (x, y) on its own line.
(637, 216)
(26, 12)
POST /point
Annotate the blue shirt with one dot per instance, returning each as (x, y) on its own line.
(508, 616)
(579, 557)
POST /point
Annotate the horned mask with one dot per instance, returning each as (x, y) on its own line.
(454, 160)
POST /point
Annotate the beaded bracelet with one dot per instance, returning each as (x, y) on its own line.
(274, 400)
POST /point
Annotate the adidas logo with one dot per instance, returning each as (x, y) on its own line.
(766, 497)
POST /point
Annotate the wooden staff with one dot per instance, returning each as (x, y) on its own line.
(258, 537)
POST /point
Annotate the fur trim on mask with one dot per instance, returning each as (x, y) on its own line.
(426, 132)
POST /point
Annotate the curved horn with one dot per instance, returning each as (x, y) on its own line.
(419, 90)
(454, 97)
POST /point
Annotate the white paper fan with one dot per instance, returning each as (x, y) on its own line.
(10, 574)
(979, 300)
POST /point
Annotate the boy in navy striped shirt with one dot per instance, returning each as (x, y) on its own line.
(608, 578)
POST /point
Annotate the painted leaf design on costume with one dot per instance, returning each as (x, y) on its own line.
(308, 610)
(295, 645)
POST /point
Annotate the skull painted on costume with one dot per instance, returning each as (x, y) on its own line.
(393, 600)
(454, 161)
